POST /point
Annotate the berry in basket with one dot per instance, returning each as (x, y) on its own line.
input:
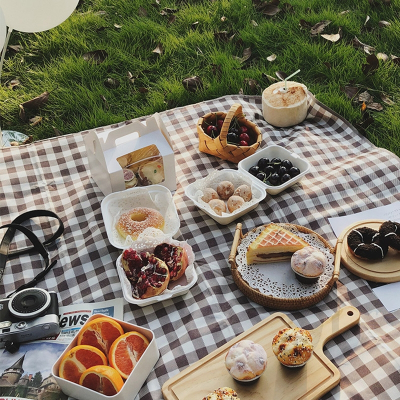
(229, 136)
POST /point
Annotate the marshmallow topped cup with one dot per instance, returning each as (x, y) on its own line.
(285, 107)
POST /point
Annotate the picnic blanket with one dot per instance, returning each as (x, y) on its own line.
(348, 174)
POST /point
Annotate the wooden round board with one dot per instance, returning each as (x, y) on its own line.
(385, 271)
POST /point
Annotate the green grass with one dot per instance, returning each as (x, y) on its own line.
(52, 61)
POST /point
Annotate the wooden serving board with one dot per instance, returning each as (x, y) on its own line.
(317, 377)
(385, 271)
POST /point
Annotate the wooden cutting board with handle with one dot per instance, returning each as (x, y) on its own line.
(277, 382)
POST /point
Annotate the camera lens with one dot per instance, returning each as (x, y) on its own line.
(29, 303)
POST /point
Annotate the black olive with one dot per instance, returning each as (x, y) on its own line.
(269, 169)
(287, 164)
(276, 161)
(285, 178)
(254, 170)
(261, 176)
(263, 163)
(274, 179)
(294, 171)
(282, 171)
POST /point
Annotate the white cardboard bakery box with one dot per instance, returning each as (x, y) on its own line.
(106, 149)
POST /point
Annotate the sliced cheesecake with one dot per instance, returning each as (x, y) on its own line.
(274, 243)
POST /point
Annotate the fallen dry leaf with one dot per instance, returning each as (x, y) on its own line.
(105, 102)
(96, 56)
(304, 24)
(22, 115)
(223, 18)
(328, 65)
(387, 100)
(363, 107)
(223, 36)
(15, 48)
(384, 24)
(254, 23)
(57, 132)
(350, 91)
(366, 121)
(130, 77)
(395, 59)
(117, 26)
(344, 12)
(143, 90)
(367, 49)
(142, 12)
(35, 120)
(192, 83)
(252, 85)
(365, 97)
(375, 107)
(171, 19)
(36, 102)
(195, 25)
(158, 49)
(13, 84)
(281, 75)
(319, 27)
(111, 83)
(272, 57)
(270, 78)
(371, 66)
(382, 56)
(335, 37)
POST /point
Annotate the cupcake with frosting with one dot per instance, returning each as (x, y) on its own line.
(246, 360)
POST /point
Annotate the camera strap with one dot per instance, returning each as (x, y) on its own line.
(37, 245)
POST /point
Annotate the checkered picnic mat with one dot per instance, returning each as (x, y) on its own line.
(348, 174)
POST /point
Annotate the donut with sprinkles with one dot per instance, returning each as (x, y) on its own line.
(366, 243)
(390, 233)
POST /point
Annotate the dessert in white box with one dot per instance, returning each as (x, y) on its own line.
(285, 107)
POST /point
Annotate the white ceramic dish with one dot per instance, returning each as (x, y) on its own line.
(154, 196)
(195, 191)
(277, 152)
(177, 288)
(135, 380)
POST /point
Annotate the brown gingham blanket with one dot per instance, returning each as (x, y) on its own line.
(348, 174)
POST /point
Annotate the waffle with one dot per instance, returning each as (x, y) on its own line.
(274, 243)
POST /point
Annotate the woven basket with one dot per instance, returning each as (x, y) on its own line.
(219, 146)
(275, 302)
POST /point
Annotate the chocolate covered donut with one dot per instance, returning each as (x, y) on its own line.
(365, 243)
(390, 233)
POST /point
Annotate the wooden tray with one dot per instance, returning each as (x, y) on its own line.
(281, 303)
(277, 382)
(386, 270)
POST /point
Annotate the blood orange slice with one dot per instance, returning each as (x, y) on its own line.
(126, 351)
(101, 333)
(78, 359)
(103, 379)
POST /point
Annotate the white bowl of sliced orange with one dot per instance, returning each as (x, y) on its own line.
(108, 358)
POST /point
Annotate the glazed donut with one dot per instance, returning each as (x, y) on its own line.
(365, 243)
(390, 233)
(135, 221)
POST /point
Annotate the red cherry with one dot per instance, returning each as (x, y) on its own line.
(243, 129)
(245, 137)
(212, 130)
(220, 122)
(243, 143)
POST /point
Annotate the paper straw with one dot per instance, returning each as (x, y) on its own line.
(294, 73)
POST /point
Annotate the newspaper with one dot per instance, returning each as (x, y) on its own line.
(26, 374)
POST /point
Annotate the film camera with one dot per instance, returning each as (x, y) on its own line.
(29, 314)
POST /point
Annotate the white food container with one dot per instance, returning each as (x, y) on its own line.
(154, 196)
(195, 191)
(274, 151)
(135, 380)
(176, 288)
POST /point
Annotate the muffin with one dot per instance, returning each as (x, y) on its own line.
(224, 393)
(246, 360)
(293, 347)
(308, 264)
